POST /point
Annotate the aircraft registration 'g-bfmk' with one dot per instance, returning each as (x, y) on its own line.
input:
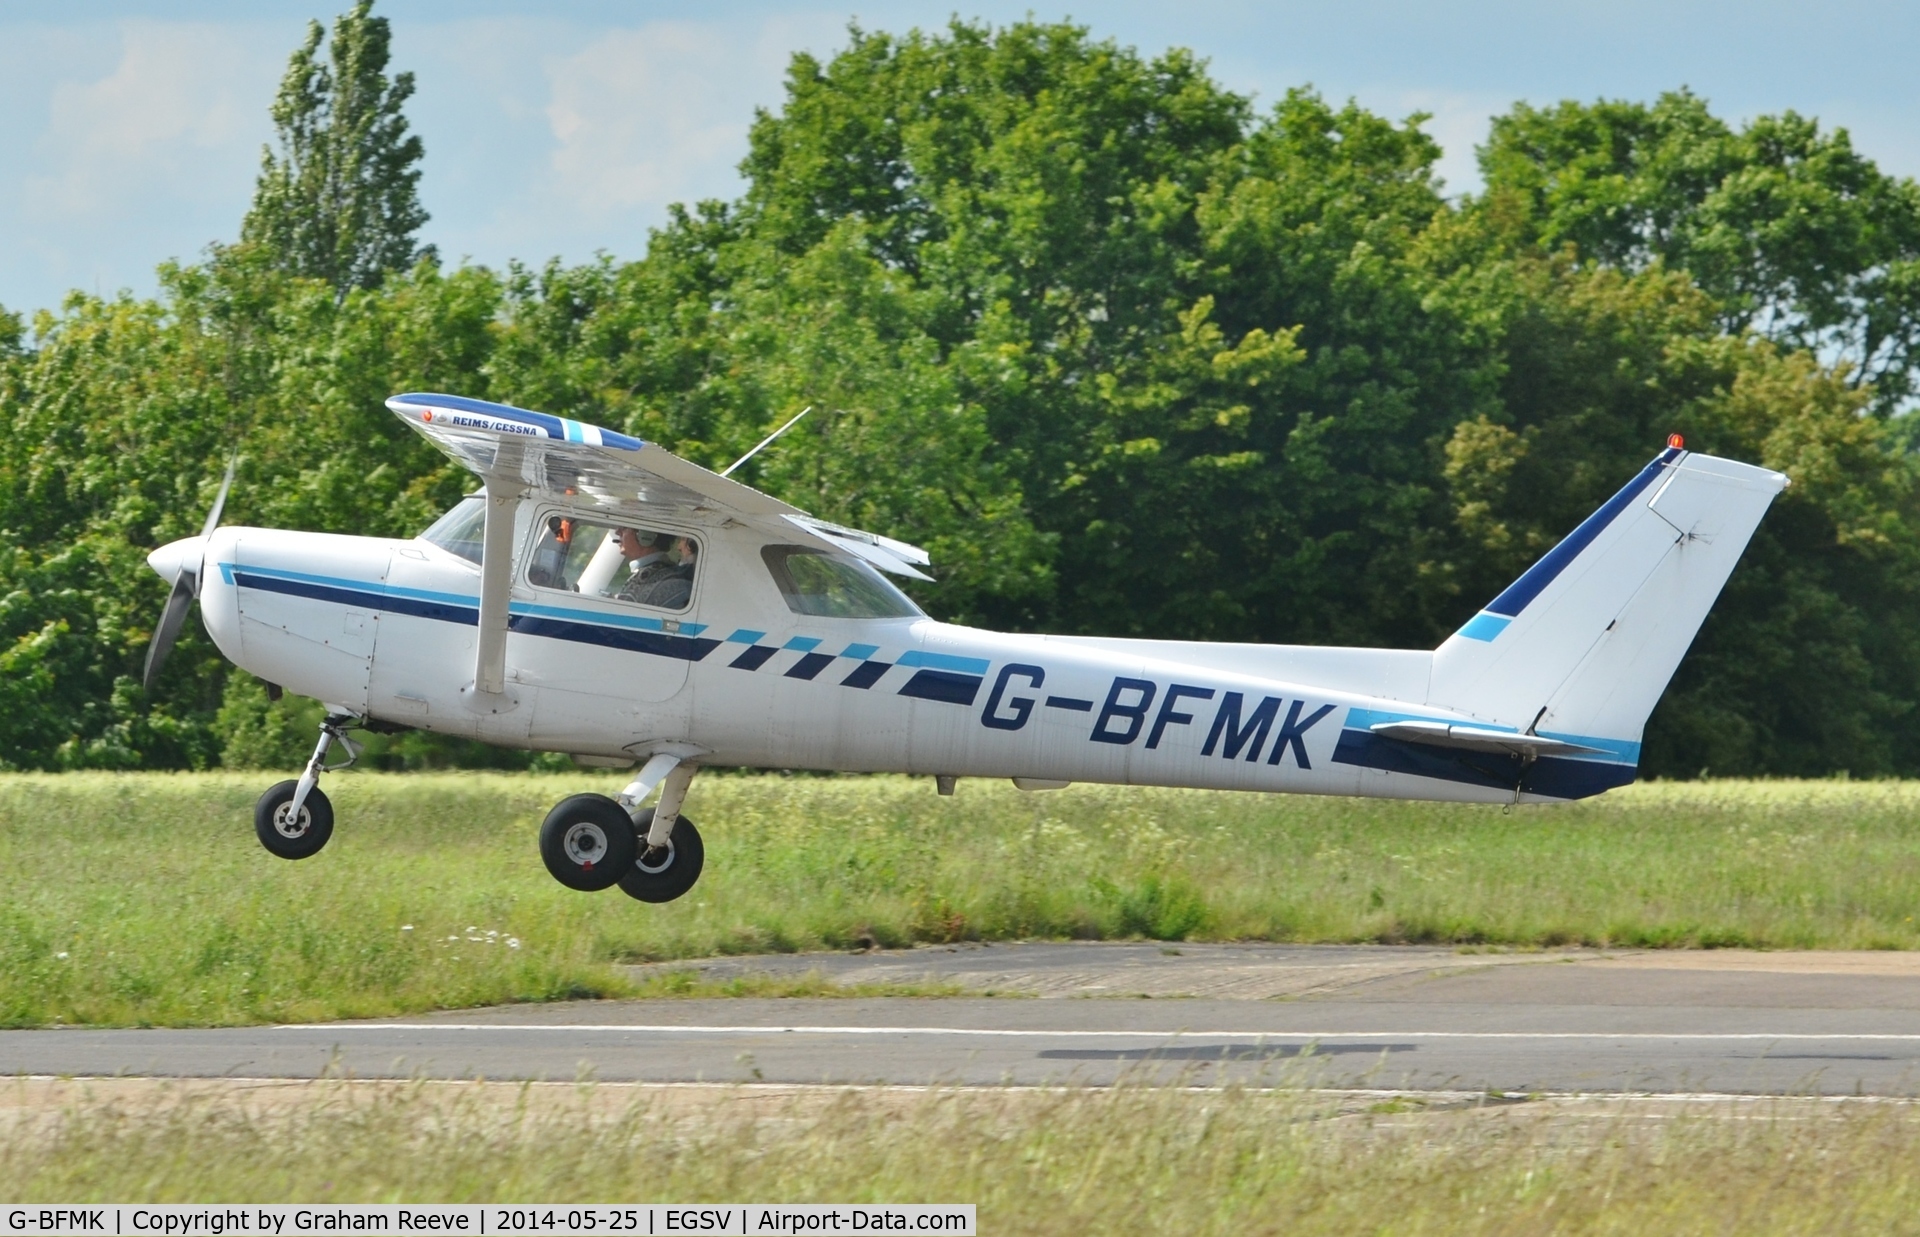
(605, 598)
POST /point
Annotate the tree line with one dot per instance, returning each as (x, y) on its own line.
(1125, 352)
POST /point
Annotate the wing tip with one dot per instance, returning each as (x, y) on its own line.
(464, 412)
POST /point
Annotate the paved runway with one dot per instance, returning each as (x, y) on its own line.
(1399, 1018)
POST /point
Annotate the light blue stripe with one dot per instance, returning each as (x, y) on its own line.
(945, 661)
(1484, 626)
(861, 652)
(802, 644)
(744, 636)
(637, 622)
(573, 430)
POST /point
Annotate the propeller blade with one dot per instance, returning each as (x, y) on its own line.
(219, 500)
(186, 586)
(172, 619)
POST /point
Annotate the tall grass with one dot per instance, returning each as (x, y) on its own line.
(145, 899)
(1124, 1160)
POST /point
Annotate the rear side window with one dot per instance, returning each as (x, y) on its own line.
(824, 585)
(461, 529)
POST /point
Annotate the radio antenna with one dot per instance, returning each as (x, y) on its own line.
(768, 439)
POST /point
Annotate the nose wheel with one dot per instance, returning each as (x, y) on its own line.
(294, 818)
(288, 831)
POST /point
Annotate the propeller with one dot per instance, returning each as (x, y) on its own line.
(187, 556)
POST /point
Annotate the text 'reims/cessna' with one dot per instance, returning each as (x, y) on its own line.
(605, 598)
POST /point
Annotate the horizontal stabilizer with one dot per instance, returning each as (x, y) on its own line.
(1479, 739)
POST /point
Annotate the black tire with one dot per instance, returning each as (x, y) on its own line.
(686, 855)
(587, 842)
(292, 840)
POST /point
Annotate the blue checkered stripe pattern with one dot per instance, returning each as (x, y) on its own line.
(936, 676)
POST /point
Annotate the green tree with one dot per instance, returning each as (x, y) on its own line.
(1792, 232)
(340, 201)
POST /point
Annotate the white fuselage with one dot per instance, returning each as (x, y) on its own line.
(386, 630)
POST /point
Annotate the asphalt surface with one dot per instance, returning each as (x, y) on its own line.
(1721, 1022)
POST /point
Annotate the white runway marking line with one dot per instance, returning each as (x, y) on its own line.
(999, 1032)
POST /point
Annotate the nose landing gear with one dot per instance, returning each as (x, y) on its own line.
(294, 818)
(591, 842)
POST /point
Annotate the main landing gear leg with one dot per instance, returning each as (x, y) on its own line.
(673, 854)
(294, 818)
(654, 854)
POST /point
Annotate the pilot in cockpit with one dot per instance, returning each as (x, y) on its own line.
(647, 561)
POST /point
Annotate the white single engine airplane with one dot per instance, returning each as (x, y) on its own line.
(605, 598)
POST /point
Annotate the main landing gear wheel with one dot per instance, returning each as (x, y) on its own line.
(663, 874)
(290, 835)
(587, 841)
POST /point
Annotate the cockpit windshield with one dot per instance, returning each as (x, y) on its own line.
(461, 529)
(829, 586)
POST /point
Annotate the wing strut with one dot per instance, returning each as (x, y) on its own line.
(504, 495)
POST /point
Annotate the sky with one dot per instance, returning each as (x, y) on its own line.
(131, 130)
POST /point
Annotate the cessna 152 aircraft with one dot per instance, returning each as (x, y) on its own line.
(605, 598)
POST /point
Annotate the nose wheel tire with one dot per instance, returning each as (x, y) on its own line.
(285, 834)
(587, 841)
(665, 874)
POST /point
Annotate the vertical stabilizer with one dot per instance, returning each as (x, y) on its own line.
(1582, 645)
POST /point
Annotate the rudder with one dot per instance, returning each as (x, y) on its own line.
(1582, 645)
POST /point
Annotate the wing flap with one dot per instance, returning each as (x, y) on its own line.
(895, 557)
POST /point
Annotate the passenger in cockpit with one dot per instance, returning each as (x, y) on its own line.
(673, 589)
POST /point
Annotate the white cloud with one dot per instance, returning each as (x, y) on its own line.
(168, 124)
(659, 114)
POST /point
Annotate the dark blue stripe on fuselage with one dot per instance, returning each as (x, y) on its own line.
(754, 657)
(866, 674)
(656, 643)
(944, 686)
(445, 612)
(810, 665)
(1511, 602)
(1554, 776)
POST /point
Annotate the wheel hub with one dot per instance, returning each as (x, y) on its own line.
(287, 825)
(655, 859)
(586, 844)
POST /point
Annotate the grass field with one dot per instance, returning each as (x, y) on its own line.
(1124, 1160)
(145, 899)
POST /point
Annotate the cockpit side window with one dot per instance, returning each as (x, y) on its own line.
(824, 585)
(645, 566)
(461, 529)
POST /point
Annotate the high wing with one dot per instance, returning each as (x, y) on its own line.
(509, 446)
